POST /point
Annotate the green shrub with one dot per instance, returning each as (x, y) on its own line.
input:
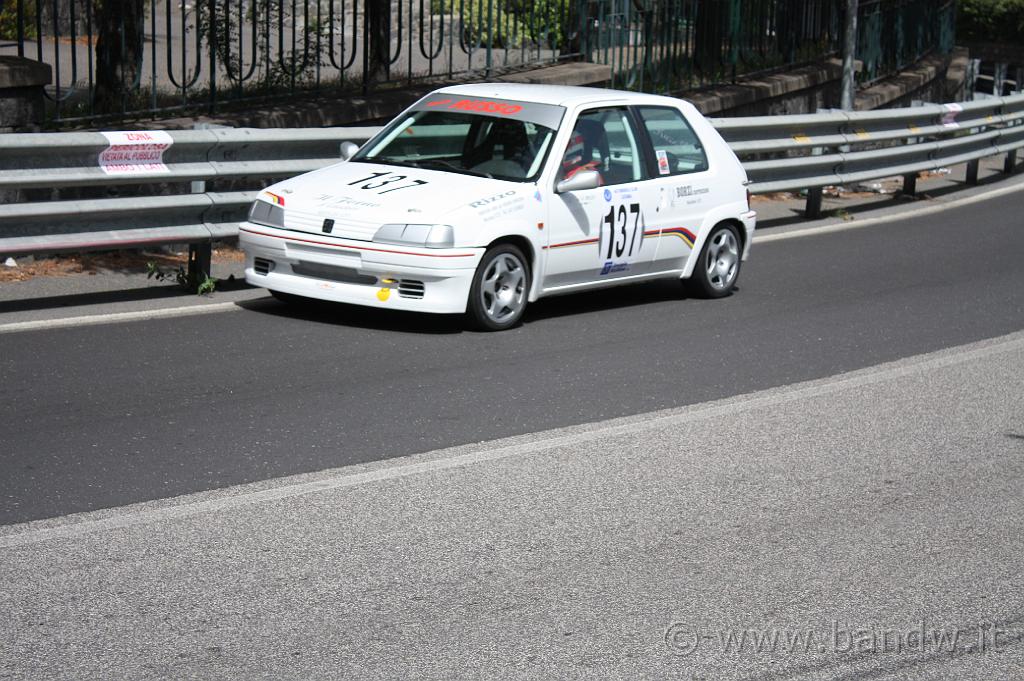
(9, 19)
(991, 20)
(512, 23)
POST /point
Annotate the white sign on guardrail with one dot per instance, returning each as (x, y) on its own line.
(949, 115)
(135, 153)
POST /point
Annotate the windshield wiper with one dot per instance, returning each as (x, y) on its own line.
(426, 163)
(436, 162)
(386, 161)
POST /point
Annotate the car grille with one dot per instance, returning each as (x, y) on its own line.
(343, 227)
(262, 265)
(345, 275)
(410, 288)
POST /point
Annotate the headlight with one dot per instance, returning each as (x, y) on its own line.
(263, 213)
(428, 236)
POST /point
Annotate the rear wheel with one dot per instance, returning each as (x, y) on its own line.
(718, 266)
(498, 296)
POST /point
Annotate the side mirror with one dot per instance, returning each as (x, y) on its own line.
(348, 150)
(585, 179)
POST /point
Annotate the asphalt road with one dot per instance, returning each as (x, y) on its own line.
(864, 526)
(102, 416)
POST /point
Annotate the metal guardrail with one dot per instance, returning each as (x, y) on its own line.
(929, 136)
(58, 160)
(69, 160)
(780, 153)
(811, 151)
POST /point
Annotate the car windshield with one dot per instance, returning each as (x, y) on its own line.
(504, 141)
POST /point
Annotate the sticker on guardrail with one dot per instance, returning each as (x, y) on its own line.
(135, 153)
(949, 117)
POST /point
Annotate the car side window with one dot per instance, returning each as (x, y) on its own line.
(603, 140)
(677, 149)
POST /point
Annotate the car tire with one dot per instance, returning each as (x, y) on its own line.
(718, 265)
(289, 298)
(501, 287)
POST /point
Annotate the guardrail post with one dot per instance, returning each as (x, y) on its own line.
(813, 208)
(200, 259)
(1010, 164)
(200, 255)
(972, 172)
(910, 184)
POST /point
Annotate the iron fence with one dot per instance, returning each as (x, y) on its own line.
(675, 45)
(143, 57)
(166, 55)
(892, 34)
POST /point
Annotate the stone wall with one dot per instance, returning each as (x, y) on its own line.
(21, 93)
(803, 90)
(936, 79)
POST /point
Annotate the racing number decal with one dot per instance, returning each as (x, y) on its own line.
(620, 233)
(383, 181)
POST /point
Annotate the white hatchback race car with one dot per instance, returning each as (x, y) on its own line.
(481, 198)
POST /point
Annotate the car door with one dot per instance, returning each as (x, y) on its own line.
(679, 166)
(598, 234)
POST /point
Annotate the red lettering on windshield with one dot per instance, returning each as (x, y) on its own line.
(481, 105)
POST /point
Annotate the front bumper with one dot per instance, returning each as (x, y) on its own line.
(358, 272)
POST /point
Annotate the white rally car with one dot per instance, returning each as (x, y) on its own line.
(480, 198)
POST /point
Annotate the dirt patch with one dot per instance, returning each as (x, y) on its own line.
(127, 262)
(776, 196)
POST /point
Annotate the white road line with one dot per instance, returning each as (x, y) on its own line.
(440, 460)
(87, 320)
(761, 237)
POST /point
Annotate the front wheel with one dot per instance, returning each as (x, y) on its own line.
(718, 265)
(501, 285)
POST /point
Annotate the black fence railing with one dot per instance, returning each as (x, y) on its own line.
(672, 45)
(149, 57)
(893, 34)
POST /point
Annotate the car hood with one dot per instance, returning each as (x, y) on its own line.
(358, 201)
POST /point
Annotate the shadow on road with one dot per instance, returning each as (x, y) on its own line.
(93, 298)
(340, 314)
(149, 292)
(627, 295)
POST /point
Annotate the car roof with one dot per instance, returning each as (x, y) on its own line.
(560, 95)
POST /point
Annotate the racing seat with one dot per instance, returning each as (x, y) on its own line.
(510, 137)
